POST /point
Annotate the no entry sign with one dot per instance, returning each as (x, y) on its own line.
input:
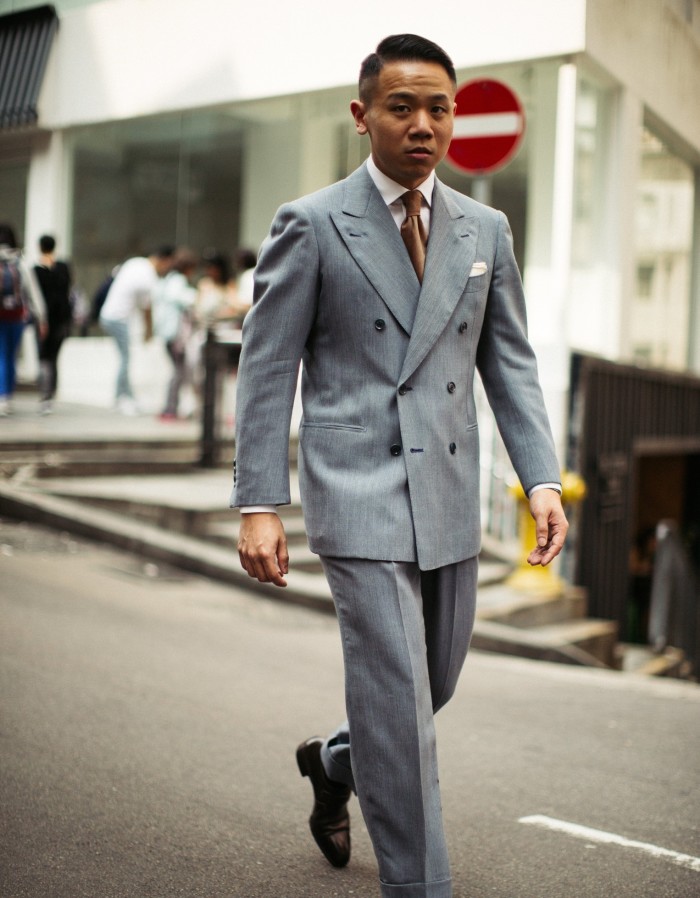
(489, 127)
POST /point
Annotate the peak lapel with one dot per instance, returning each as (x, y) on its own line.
(368, 230)
(450, 256)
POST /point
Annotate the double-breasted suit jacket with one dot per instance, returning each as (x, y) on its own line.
(389, 440)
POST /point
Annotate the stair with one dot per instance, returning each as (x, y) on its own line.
(148, 514)
(41, 459)
(553, 628)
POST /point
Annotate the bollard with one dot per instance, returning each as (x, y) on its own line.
(538, 580)
(208, 444)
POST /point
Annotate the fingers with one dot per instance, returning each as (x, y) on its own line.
(551, 526)
(262, 548)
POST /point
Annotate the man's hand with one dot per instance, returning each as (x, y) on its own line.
(262, 547)
(550, 526)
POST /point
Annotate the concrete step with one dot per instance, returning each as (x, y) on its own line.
(185, 521)
(589, 643)
(94, 459)
(536, 611)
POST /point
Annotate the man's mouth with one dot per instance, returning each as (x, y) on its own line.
(420, 152)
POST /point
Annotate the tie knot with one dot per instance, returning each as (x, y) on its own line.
(412, 201)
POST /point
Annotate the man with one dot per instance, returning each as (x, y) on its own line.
(132, 289)
(54, 279)
(388, 457)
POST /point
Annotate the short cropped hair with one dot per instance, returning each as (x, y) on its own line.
(165, 251)
(47, 244)
(400, 48)
(7, 236)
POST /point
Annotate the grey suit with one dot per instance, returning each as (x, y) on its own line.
(389, 445)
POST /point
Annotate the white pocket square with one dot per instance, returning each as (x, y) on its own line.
(478, 268)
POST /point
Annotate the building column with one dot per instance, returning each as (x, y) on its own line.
(50, 194)
(623, 213)
(549, 228)
(694, 310)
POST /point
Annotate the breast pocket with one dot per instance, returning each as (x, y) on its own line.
(479, 277)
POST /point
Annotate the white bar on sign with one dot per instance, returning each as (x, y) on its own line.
(492, 124)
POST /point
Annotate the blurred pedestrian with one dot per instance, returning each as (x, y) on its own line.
(242, 294)
(54, 279)
(131, 292)
(20, 299)
(214, 291)
(174, 297)
(212, 308)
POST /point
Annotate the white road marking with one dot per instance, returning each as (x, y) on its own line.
(598, 835)
(489, 124)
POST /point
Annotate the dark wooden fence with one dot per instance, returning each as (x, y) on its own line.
(634, 436)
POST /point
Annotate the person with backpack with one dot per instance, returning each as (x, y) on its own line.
(54, 279)
(20, 297)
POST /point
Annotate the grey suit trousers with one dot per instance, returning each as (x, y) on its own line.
(405, 635)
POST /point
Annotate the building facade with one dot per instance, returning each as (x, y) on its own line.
(160, 121)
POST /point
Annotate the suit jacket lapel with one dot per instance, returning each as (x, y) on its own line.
(450, 256)
(371, 236)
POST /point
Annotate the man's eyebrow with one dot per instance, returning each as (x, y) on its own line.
(410, 95)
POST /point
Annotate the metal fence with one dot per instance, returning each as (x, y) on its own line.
(628, 428)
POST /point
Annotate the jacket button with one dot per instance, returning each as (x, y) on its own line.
(379, 324)
(395, 449)
(451, 387)
(463, 326)
(453, 448)
(403, 389)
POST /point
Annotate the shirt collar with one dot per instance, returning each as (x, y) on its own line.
(391, 191)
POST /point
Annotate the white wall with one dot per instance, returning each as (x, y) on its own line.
(125, 58)
(647, 46)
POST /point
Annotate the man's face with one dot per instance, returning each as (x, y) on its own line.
(409, 119)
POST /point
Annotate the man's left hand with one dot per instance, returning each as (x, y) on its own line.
(550, 526)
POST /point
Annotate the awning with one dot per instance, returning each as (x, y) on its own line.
(25, 41)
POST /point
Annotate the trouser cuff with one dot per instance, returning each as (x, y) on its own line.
(441, 888)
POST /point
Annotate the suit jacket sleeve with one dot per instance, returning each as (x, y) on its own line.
(275, 332)
(508, 369)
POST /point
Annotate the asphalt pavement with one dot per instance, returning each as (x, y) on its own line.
(149, 720)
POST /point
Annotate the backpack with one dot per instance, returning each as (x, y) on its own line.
(12, 307)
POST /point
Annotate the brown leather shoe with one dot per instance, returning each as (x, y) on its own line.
(329, 820)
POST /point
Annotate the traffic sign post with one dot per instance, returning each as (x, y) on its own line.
(489, 127)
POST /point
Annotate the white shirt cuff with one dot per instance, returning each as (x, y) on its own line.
(255, 509)
(545, 486)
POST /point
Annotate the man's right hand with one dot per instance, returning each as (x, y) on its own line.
(262, 547)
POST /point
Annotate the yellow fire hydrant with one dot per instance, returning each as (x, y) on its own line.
(540, 580)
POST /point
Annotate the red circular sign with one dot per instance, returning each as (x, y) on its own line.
(489, 127)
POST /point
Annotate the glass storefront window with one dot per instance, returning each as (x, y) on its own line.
(662, 240)
(138, 185)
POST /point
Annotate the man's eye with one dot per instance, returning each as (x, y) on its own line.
(401, 107)
(439, 110)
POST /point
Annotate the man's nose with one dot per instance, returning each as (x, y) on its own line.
(422, 123)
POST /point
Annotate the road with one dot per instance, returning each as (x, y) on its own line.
(148, 726)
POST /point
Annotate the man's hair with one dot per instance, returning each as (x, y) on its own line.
(47, 244)
(401, 48)
(7, 236)
(165, 251)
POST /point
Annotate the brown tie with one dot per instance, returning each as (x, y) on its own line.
(413, 232)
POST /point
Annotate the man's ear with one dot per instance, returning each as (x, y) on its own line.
(357, 108)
